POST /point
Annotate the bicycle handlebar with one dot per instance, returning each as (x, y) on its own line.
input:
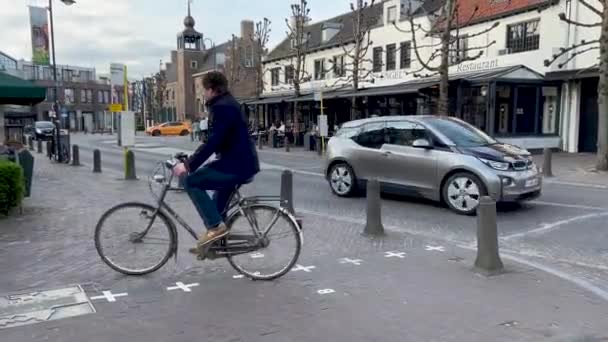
(178, 158)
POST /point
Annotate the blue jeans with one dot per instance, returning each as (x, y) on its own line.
(210, 209)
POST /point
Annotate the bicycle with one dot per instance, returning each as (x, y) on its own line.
(241, 212)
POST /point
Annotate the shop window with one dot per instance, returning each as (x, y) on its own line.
(523, 36)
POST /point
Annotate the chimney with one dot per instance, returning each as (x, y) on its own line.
(247, 29)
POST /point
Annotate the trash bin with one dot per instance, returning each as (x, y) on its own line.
(26, 160)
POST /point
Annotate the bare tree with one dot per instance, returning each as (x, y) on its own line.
(452, 48)
(600, 20)
(260, 38)
(234, 65)
(160, 87)
(299, 39)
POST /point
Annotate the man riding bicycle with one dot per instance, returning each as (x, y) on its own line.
(236, 159)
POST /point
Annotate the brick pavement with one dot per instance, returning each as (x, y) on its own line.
(431, 294)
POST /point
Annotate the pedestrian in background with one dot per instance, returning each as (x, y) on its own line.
(196, 130)
(204, 128)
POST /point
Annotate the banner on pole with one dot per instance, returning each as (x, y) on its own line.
(117, 78)
(39, 25)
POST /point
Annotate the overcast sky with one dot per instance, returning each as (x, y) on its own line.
(95, 33)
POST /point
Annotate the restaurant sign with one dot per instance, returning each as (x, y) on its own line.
(477, 66)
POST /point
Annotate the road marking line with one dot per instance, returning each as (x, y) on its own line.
(435, 248)
(552, 226)
(566, 205)
(238, 276)
(182, 286)
(400, 255)
(351, 261)
(257, 255)
(325, 291)
(306, 269)
(582, 185)
(109, 296)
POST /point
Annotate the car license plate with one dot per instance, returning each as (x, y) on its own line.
(531, 182)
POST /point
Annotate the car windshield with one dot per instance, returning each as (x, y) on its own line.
(461, 133)
(348, 132)
(44, 124)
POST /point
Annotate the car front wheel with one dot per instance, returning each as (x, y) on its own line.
(462, 193)
(156, 133)
(342, 180)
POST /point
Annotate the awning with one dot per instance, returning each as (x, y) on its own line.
(564, 75)
(401, 88)
(14, 90)
(516, 72)
(271, 99)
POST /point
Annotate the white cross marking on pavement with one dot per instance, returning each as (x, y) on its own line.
(257, 255)
(109, 296)
(435, 248)
(306, 269)
(182, 286)
(325, 291)
(400, 255)
(238, 276)
(351, 261)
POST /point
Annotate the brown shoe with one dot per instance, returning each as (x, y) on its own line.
(209, 237)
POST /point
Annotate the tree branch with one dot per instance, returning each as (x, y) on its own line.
(562, 17)
(592, 8)
(564, 51)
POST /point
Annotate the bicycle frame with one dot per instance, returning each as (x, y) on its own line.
(235, 201)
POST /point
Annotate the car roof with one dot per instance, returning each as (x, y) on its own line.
(414, 118)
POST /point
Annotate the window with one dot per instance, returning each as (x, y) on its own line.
(377, 59)
(68, 94)
(106, 96)
(194, 64)
(339, 70)
(406, 55)
(249, 56)
(372, 135)
(391, 15)
(50, 95)
(89, 96)
(319, 69)
(289, 74)
(391, 57)
(523, 36)
(404, 133)
(458, 50)
(274, 76)
(83, 96)
(100, 96)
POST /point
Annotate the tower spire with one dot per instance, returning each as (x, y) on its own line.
(189, 3)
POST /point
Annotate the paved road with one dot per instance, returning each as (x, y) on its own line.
(565, 228)
(413, 285)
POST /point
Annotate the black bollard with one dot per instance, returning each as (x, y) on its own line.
(75, 155)
(488, 257)
(49, 151)
(97, 161)
(39, 147)
(374, 226)
(30, 142)
(286, 139)
(287, 191)
(547, 163)
(130, 166)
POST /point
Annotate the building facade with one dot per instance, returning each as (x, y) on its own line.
(508, 91)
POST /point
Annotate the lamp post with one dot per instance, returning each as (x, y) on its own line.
(56, 102)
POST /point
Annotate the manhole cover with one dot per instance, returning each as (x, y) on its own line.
(36, 307)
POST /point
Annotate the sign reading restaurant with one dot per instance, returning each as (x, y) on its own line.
(477, 66)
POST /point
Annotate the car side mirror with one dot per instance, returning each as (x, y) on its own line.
(422, 143)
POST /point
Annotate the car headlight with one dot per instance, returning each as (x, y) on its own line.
(38, 131)
(496, 165)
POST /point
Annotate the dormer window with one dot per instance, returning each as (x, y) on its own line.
(391, 15)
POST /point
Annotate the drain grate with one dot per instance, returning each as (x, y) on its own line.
(41, 306)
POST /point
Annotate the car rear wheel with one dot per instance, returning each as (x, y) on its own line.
(342, 180)
(184, 133)
(462, 193)
(156, 133)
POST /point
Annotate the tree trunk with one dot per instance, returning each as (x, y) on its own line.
(444, 77)
(602, 133)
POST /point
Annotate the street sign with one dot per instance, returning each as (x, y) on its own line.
(323, 126)
(318, 95)
(116, 107)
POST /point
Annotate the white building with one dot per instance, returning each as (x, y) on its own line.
(508, 91)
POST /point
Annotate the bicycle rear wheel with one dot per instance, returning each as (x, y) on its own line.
(280, 248)
(123, 243)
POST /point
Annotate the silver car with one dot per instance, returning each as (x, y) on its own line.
(434, 157)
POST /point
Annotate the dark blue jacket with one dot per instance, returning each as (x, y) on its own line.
(229, 139)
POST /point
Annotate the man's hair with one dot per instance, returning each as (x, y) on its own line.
(215, 81)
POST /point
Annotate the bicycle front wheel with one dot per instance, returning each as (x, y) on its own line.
(125, 243)
(279, 248)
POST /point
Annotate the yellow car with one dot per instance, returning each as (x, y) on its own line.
(170, 128)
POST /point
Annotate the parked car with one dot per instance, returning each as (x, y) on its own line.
(40, 130)
(434, 157)
(170, 128)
